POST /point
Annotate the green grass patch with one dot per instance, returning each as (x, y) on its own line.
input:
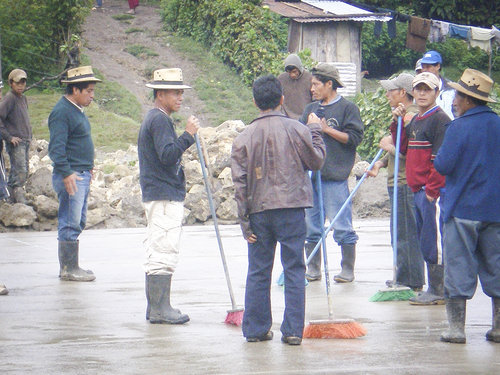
(140, 51)
(132, 30)
(123, 17)
(222, 90)
(110, 131)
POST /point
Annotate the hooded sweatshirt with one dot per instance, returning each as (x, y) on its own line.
(297, 92)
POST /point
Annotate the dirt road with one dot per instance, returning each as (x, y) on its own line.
(105, 43)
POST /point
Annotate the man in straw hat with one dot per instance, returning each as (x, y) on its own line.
(15, 129)
(163, 188)
(342, 130)
(420, 142)
(72, 152)
(470, 160)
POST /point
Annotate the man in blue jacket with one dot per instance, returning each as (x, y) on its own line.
(163, 191)
(470, 160)
(72, 153)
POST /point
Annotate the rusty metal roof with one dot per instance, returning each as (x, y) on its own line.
(323, 11)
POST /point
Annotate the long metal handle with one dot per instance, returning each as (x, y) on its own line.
(214, 217)
(347, 201)
(395, 204)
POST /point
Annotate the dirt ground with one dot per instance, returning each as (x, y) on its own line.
(105, 43)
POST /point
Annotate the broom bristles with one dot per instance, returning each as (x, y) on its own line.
(392, 295)
(234, 317)
(334, 330)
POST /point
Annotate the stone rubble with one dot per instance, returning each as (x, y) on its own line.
(115, 194)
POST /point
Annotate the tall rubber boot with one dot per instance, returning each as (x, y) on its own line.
(68, 261)
(313, 271)
(19, 195)
(494, 333)
(347, 263)
(455, 310)
(158, 294)
(435, 292)
(148, 308)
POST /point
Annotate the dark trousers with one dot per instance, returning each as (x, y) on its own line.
(472, 249)
(286, 226)
(429, 227)
(410, 263)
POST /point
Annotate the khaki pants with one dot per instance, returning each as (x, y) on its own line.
(163, 236)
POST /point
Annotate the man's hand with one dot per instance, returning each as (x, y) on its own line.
(313, 119)
(192, 126)
(252, 238)
(15, 141)
(374, 171)
(400, 110)
(70, 183)
(429, 198)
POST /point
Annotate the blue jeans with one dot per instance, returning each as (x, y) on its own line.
(286, 226)
(410, 263)
(99, 3)
(472, 249)
(335, 193)
(19, 163)
(72, 215)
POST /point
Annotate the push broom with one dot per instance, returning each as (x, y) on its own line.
(235, 315)
(330, 328)
(395, 292)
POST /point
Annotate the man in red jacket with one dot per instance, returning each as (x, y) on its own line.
(421, 141)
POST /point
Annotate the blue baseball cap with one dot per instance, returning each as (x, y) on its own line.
(431, 57)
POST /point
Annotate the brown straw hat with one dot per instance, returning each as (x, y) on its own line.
(80, 74)
(475, 84)
(165, 79)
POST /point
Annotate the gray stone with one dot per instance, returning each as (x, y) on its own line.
(17, 215)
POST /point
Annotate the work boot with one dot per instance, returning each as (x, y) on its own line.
(494, 333)
(18, 195)
(148, 308)
(3, 290)
(313, 271)
(158, 295)
(347, 263)
(435, 292)
(68, 260)
(455, 310)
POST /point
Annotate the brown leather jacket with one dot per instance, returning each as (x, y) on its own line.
(270, 160)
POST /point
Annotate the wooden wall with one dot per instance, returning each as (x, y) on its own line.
(328, 42)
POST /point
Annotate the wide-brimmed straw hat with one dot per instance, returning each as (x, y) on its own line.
(167, 79)
(80, 74)
(476, 84)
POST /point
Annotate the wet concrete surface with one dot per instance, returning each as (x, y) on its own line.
(52, 327)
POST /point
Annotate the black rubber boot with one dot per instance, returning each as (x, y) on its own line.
(435, 292)
(68, 262)
(494, 333)
(313, 271)
(455, 310)
(158, 295)
(347, 263)
(148, 308)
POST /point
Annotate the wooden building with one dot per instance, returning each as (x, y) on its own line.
(331, 30)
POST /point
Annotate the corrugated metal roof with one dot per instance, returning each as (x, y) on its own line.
(323, 11)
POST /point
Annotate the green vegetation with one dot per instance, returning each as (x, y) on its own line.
(131, 30)
(140, 51)
(123, 17)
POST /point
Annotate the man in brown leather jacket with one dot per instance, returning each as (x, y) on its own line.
(270, 163)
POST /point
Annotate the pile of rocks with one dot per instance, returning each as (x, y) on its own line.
(115, 195)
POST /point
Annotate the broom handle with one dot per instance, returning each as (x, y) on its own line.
(395, 203)
(323, 241)
(214, 217)
(347, 201)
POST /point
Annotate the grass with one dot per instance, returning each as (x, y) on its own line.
(131, 30)
(140, 51)
(123, 17)
(224, 94)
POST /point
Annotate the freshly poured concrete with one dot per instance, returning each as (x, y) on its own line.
(52, 327)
